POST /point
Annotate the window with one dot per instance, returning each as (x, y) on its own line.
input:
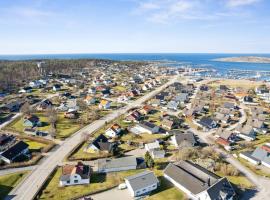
(68, 182)
(75, 181)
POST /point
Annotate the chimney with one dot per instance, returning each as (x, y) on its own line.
(208, 181)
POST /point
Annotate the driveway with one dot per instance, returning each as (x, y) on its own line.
(113, 194)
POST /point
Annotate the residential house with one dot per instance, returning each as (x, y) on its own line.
(44, 104)
(31, 121)
(90, 100)
(261, 155)
(225, 143)
(13, 106)
(92, 90)
(26, 90)
(154, 149)
(135, 116)
(119, 164)
(168, 124)
(207, 123)
(36, 84)
(145, 127)
(155, 102)
(182, 98)
(223, 118)
(258, 125)
(113, 131)
(172, 105)
(100, 143)
(147, 109)
(71, 114)
(197, 182)
(104, 104)
(56, 87)
(246, 132)
(182, 140)
(141, 183)
(247, 100)
(78, 174)
(17, 152)
(225, 134)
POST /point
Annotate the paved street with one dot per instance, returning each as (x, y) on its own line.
(14, 170)
(28, 189)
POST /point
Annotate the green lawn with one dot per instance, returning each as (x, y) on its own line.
(64, 127)
(166, 191)
(120, 88)
(98, 182)
(33, 145)
(8, 182)
(240, 181)
(145, 137)
(81, 155)
(254, 168)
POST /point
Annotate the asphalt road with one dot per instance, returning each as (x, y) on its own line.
(29, 188)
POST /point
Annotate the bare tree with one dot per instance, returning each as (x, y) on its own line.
(26, 109)
(52, 116)
(52, 131)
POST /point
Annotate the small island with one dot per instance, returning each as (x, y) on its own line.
(245, 59)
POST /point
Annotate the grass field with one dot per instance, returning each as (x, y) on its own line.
(8, 182)
(33, 145)
(99, 182)
(64, 127)
(166, 191)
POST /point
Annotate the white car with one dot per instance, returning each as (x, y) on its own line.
(122, 186)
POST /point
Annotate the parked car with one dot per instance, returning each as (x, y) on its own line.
(122, 186)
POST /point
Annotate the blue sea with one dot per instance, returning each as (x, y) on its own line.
(171, 59)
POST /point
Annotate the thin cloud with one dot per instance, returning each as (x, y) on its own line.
(167, 11)
(238, 3)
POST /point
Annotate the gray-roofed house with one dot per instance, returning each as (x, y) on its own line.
(246, 132)
(182, 98)
(173, 105)
(100, 143)
(197, 182)
(263, 154)
(182, 140)
(119, 164)
(207, 123)
(147, 127)
(142, 183)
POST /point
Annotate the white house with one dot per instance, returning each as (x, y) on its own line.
(75, 174)
(151, 146)
(197, 182)
(146, 127)
(113, 131)
(142, 183)
(117, 164)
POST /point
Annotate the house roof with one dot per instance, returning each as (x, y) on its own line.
(197, 179)
(262, 153)
(206, 121)
(147, 125)
(142, 180)
(14, 150)
(223, 133)
(80, 169)
(185, 139)
(111, 163)
(153, 145)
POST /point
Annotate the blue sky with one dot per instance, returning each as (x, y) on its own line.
(134, 26)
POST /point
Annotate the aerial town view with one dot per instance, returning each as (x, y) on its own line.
(135, 99)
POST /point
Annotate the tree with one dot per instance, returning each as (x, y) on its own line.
(149, 160)
(52, 131)
(82, 105)
(26, 109)
(52, 116)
